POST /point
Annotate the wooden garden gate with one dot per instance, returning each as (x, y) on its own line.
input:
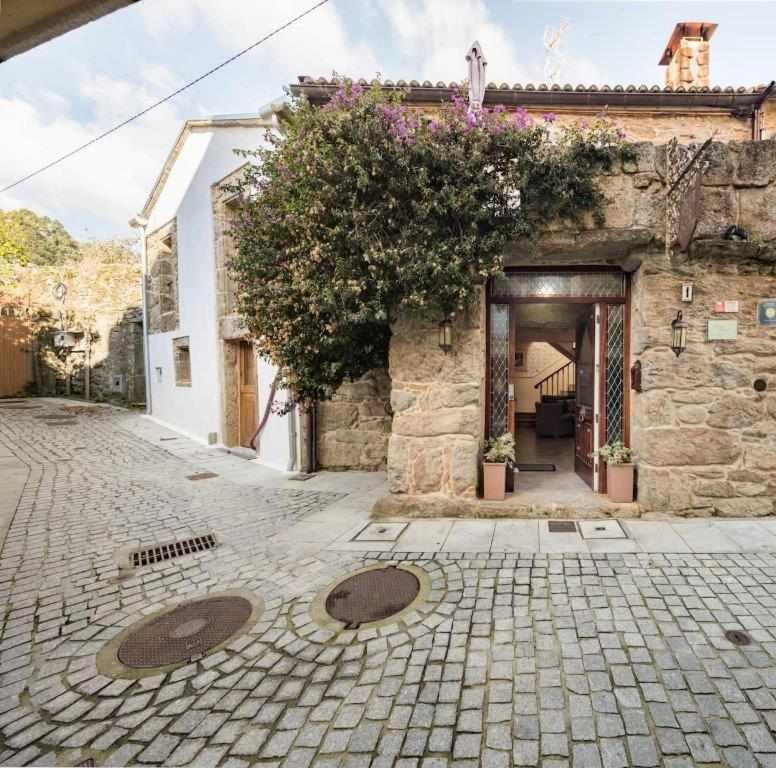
(16, 356)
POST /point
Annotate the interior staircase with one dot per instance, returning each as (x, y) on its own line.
(562, 382)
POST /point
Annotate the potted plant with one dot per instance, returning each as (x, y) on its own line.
(499, 452)
(619, 471)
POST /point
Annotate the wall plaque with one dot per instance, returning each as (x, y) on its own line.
(722, 330)
(766, 312)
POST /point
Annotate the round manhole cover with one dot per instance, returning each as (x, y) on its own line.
(738, 637)
(372, 596)
(186, 632)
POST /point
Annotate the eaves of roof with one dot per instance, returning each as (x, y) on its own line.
(190, 126)
(320, 90)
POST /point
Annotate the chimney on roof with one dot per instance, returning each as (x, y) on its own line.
(687, 55)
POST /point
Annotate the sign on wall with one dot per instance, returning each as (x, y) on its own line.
(766, 312)
(722, 330)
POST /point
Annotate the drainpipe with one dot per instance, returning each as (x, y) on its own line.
(141, 222)
(757, 116)
(307, 431)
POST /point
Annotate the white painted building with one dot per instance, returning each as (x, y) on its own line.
(204, 379)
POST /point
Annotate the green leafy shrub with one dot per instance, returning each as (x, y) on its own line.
(500, 450)
(364, 209)
(615, 453)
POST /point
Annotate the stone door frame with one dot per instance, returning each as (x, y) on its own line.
(604, 301)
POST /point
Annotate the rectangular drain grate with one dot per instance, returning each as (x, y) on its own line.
(160, 553)
(202, 476)
(562, 526)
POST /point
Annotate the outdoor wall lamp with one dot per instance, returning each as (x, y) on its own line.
(678, 334)
(446, 334)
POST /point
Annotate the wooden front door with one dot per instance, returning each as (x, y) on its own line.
(246, 361)
(586, 399)
(16, 371)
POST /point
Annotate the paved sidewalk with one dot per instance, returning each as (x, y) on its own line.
(510, 657)
(535, 536)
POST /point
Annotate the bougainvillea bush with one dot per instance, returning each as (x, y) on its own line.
(365, 208)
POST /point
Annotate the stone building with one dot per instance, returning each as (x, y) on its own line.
(699, 418)
(97, 303)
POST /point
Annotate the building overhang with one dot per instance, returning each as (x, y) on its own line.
(319, 91)
(25, 24)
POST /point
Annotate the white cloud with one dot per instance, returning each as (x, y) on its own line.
(107, 182)
(315, 45)
(434, 37)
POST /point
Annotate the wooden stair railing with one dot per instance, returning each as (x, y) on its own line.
(560, 382)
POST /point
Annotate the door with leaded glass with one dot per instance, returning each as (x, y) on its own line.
(603, 416)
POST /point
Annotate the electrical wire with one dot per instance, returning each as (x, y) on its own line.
(153, 106)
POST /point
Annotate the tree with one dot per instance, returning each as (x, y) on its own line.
(27, 238)
(364, 209)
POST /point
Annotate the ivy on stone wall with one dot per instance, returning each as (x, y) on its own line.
(366, 208)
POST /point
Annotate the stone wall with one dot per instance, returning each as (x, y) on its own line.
(162, 278)
(661, 126)
(704, 437)
(102, 306)
(353, 427)
(438, 404)
(705, 440)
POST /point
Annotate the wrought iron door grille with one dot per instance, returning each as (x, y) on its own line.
(615, 372)
(499, 368)
(160, 553)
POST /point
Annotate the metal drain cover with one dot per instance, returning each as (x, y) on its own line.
(738, 637)
(372, 596)
(185, 633)
(561, 526)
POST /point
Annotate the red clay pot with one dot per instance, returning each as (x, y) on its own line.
(495, 479)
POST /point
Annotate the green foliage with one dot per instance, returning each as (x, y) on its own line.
(615, 453)
(26, 238)
(500, 450)
(365, 209)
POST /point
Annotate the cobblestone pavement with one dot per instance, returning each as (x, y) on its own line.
(522, 659)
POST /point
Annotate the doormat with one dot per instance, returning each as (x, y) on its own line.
(536, 467)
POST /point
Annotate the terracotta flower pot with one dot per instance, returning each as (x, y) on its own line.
(619, 483)
(495, 479)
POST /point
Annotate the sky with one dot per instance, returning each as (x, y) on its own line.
(65, 92)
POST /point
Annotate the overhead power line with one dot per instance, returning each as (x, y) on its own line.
(153, 106)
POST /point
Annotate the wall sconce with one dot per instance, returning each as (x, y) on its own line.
(446, 335)
(678, 334)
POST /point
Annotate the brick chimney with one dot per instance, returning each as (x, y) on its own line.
(687, 55)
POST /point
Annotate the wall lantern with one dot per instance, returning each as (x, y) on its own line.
(678, 334)
(446, 335)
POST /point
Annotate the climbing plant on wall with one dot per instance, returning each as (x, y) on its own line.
(365, 208)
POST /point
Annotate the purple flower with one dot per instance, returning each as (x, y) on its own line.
(522, 119)
(549, 117)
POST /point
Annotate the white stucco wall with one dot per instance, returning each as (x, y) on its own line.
(275, 446)
(206, 157)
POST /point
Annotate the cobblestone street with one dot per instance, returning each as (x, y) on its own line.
(505, 659)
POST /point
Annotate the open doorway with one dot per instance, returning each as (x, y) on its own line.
(557, 379)
(552, 385)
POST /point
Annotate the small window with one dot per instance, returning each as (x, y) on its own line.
(182, 361)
